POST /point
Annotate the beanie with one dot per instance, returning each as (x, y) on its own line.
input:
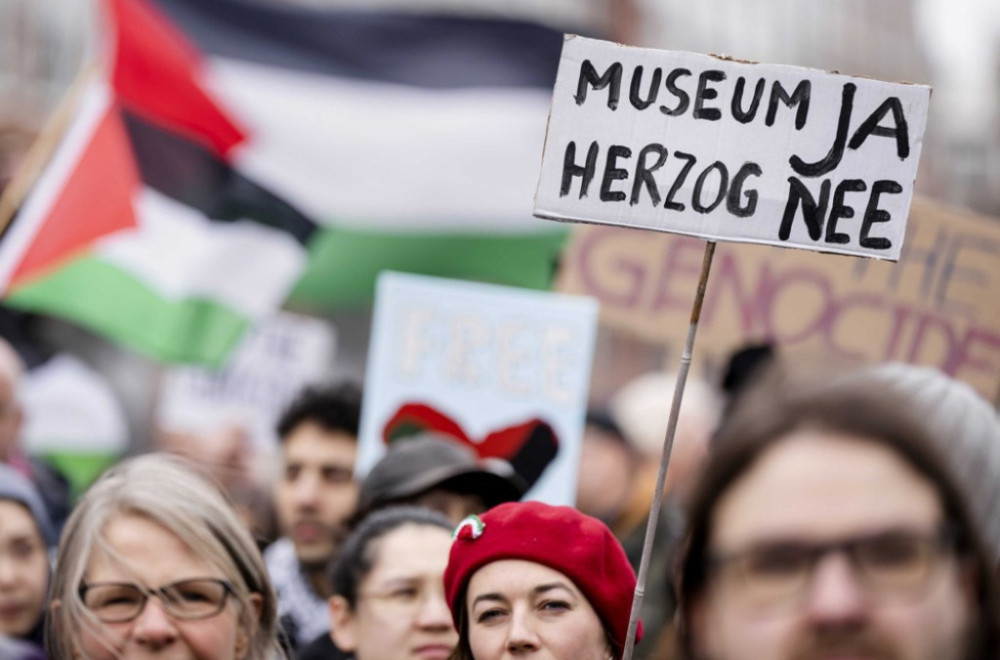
(966, 430)
(15, 486)
(559, 537)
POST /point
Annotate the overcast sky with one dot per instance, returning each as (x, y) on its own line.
(962, 39)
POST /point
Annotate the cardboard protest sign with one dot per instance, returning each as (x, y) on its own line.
(275, 360)
(731, 151)
(938, 306)
(502, 370)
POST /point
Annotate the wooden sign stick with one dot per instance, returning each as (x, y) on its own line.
(668, 445)
(626, 160)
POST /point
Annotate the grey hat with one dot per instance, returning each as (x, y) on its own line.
(15, 486)
(967, 431)
(426, 461)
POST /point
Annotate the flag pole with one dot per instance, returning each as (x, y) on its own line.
(668, 444)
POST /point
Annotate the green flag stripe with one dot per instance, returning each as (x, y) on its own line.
(343, 262)
(127, 311)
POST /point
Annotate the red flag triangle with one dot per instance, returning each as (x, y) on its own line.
(94, 200)
(156, 74)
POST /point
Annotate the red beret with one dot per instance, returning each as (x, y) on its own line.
(560, 537)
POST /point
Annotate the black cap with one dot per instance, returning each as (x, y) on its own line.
(427, 461)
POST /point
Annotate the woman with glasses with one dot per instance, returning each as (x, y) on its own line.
(527, 579)
(388, 602)
(154, 562)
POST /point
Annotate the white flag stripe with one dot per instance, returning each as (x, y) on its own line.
(94, 104)
(180, 254)
(90, 418)
(389, 156)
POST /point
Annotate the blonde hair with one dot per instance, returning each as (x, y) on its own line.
(168, 491)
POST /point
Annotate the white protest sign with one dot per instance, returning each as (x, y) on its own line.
(501, 369)
(275, 360)
(731, 151)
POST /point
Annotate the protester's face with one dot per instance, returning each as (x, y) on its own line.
(146, 554)
(24, 570)
(401, 613)
(316, 492)
(11, 417)
(520, 609)
(604, 475)
(898, 594)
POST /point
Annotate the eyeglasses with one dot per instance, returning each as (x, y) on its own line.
(889, 566)
(404, 599)
(118, 602)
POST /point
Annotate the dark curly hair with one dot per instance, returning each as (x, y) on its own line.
(334, 407)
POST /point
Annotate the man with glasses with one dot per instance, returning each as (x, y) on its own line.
(825, 526)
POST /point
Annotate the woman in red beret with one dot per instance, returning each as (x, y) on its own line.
(529, 578)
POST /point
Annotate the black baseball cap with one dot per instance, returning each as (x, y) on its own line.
(426, 461)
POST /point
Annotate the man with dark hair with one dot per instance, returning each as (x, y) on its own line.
(826, 526)
(314, 496)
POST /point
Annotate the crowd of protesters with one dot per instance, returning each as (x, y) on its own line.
(852, 515)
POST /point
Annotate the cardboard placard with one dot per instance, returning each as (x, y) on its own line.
(731, 151)
(938, 306)
(506, 370)
(277, 358)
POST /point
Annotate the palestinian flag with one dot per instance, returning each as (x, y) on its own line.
(225, 129)
(415, 140)
(141, 226)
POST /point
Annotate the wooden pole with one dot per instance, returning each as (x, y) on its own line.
(668, 444)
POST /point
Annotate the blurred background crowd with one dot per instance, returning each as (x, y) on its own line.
(954, 47)
(276, 422)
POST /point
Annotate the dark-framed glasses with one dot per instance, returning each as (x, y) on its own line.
(118, 602)
(892, 565)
